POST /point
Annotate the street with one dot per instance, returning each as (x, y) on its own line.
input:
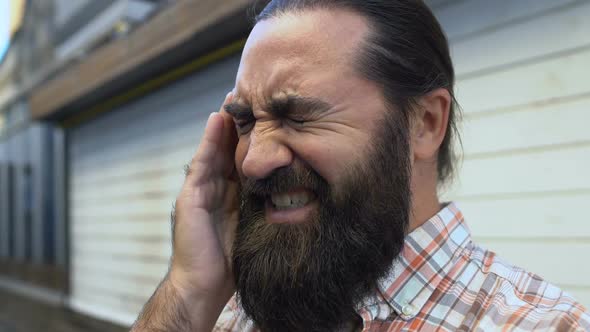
(19, 314)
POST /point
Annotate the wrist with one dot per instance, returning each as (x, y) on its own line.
(203, 307)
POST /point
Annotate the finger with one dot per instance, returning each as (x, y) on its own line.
(227, 229)
(204, 162)
(229, 143)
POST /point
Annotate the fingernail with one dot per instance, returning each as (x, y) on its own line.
(212, 114)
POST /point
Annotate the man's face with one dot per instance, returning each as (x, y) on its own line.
(305, 56)
(324, 168)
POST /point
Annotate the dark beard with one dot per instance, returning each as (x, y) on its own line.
(313, 276)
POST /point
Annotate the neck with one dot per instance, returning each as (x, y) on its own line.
(425, 202)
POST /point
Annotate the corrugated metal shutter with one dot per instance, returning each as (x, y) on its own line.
(125, 170)
(523, 73)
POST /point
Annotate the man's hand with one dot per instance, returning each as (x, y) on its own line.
(200, 281)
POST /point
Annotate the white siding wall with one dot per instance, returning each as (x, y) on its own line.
(524, 83)
(125, 170)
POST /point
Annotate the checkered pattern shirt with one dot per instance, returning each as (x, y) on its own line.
(443, 281)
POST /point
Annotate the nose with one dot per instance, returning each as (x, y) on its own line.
(265, 154)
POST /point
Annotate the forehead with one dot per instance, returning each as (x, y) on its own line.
(294, 51)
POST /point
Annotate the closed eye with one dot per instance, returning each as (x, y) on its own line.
(243, 117)
(298, 122)
(243, 126)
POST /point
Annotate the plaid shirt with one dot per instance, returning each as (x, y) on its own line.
(443, 281)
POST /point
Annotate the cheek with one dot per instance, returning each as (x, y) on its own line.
(330, 161)
(330, 157)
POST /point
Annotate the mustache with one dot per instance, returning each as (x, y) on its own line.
(282, 180)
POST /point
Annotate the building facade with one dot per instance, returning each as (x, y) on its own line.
(124, 119)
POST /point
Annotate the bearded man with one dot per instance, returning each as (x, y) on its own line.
(311, 203)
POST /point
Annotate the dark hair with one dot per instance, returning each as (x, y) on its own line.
(407, 54)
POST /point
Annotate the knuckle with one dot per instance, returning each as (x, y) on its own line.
(184, 198)
(188, 168)
(179, 201)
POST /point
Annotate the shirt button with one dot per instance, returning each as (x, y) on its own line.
(409, 310)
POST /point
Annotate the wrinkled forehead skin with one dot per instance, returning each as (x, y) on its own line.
(310, 54)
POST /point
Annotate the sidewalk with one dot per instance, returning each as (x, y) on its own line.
(20, 314)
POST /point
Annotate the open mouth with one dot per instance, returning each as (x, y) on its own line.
(293, 206)
(292, 199)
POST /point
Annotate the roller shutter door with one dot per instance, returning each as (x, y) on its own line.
(125, 170)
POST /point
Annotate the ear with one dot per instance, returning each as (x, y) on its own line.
(430, 124)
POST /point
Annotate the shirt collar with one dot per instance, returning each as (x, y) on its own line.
(425, 260)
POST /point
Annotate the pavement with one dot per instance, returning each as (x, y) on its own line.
(22, 314)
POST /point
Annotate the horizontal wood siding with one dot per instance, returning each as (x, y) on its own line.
(126, 169)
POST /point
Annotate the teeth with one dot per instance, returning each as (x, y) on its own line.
(290, 201)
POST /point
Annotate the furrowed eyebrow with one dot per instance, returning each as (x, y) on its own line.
(297, 104)
(238, 111)
(280, 107)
